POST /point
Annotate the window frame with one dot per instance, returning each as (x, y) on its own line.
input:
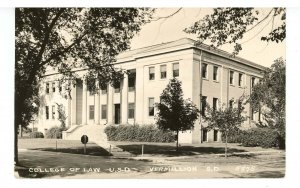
(53, 112)
(175, 70)
(151, 109)
(103, 105)
(204, 66)
(161, 73)
(215, 103)
(151, 74)
(203, 105)
(240, 81)
(131, 106)
(118, 89)
(215, 74)
(47, 112)
(231, 79)
(91, 109)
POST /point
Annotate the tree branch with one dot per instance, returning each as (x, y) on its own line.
(164, 17)
(260, 20)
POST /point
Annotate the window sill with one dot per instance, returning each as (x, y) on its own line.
(205, 79)
(232, 85)
(216, 81)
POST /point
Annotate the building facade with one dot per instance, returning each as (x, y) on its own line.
(208, 76)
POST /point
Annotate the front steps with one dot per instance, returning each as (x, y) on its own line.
(95, 134)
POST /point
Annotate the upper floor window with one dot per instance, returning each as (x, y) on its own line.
(59, 86)
(117, 86)
(151, 106)
(215, 73)
(231, 103)
(163, 71)
(240, 79)
(231, 77)
(103, 89)
(53, 87)
(47, 112)
(252, 82)
(130, 110)
(204, 70)
(131, 80)
(151, 73)
(175, 69)
(53, 112)
(47, 88)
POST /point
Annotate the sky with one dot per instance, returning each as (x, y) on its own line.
(170, 29)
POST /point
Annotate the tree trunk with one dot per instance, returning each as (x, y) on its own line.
(177, 149)
(16, 146)
(226, 145)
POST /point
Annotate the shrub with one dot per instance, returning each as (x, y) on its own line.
(234, 136)
(36, 135)
(136, 133)
(264, 137)
(54, 132)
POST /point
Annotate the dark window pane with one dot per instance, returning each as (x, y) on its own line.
(47, 112)
(131, 110)
(204, 70)
(175, 69)
(103, 112)
(92, 112)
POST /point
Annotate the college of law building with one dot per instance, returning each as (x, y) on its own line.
(208, 76)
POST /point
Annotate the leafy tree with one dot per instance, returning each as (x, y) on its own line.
(268, 98)
(175, 113)
(66, 39)
(225, 119)
(229, 25)
(62, 117)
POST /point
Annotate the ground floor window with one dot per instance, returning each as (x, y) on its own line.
(47, 112)
(204, 135)
(215, 135)
(53, 112)
(91, 111)
(103, 111)
(131, 111)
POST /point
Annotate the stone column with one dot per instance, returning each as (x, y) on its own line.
(124, 100)
(97, 106)
(110, 95)
(84, 102)
(73, 106)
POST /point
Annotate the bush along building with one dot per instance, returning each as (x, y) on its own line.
(209, 76)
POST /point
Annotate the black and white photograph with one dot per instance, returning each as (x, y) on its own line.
(150, 93)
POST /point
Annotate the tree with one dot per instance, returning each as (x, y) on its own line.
(175, 113)
(225, 119)
(64, 39)
(229, 25)
(268, 98)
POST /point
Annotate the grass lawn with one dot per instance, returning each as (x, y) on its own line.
(169, 149)
(59, 145)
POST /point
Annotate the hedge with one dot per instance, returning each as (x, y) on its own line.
(54, 132)
(263, 137)
(36, 135)
(137, 133)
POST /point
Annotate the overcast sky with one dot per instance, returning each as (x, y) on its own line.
(170, 29)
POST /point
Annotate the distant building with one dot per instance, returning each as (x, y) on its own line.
(207, 75)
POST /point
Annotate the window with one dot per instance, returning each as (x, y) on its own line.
(92, 112)
(231, 80)
(204, 70)
(203, 105)
(131, 111)
(47, 88)
(204, 135)
(215, 135)
(151, 73)
(231, 103)
(117, 86)
(175, 69)
(240, 79)
(47, 112)
(60, 111)
(131, 80)
(215, 74)
(252, 81)
(103, 89)
(59, 86)
(215, 103)
(151, 106)
(163, 71)
(252, 114)
(53, 87)
(53, 112)
(103, 111)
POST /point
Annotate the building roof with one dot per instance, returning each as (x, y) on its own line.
(180, 44)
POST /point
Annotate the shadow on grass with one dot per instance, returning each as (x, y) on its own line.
(92, 150)
(170, 151)
(266, 174)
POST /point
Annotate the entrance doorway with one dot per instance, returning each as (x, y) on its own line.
(117, 113)
(215, 135)
(78, 101)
